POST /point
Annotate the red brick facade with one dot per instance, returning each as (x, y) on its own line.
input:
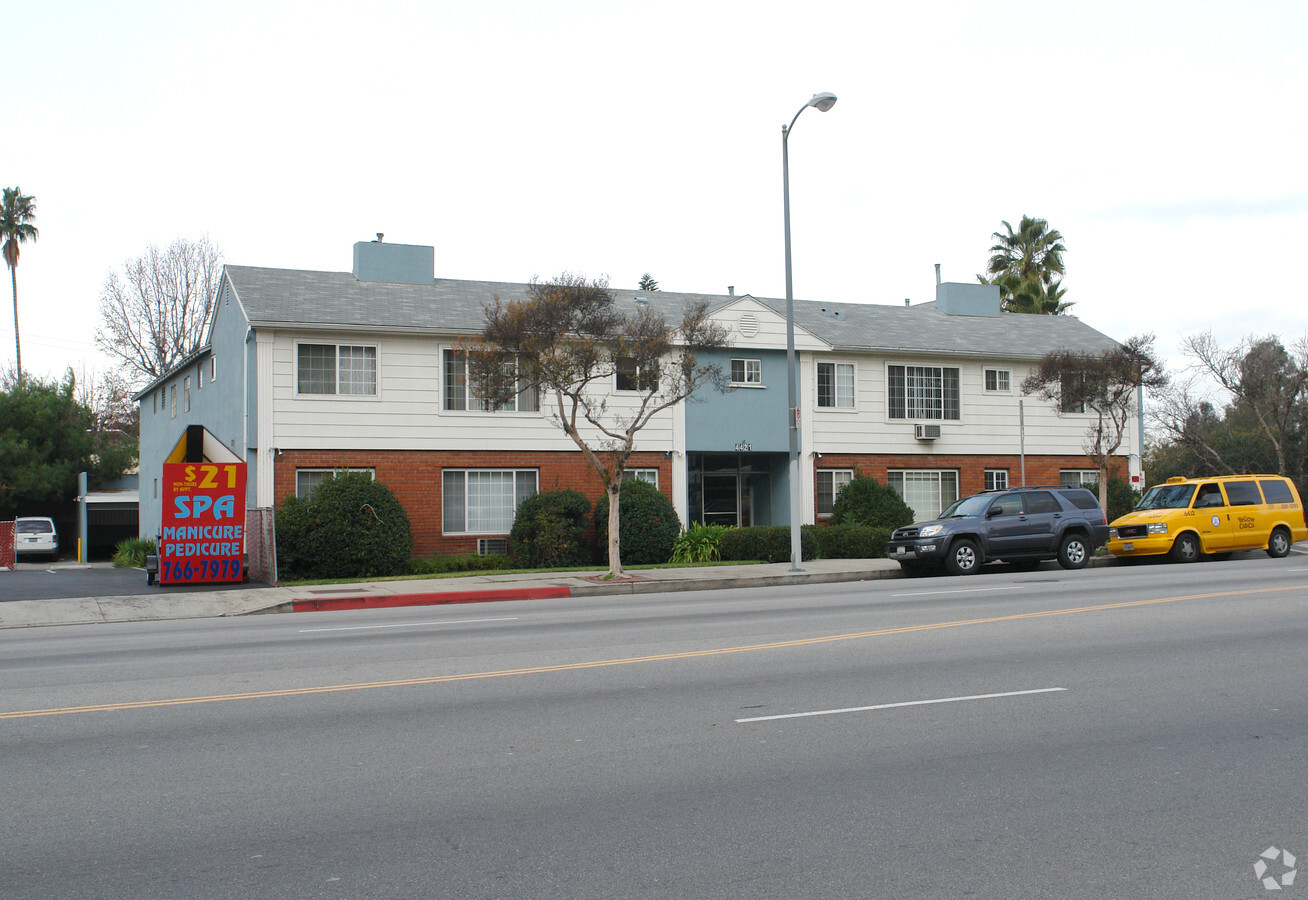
(414, 476)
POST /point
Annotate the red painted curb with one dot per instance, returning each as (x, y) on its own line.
(434, 598)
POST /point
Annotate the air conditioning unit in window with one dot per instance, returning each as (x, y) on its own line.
(927, 432)
(487, 546)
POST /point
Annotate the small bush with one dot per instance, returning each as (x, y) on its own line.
(1122, 498)
(647, 525)
(699, 543)
(768, 543)
(349, 527)
(463, 562)
(131, 553)
(866, 501)
(549, 530)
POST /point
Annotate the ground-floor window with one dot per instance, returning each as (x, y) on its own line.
(829, 483)
(308, 479)
(996, 479)
(1087, 478)
(927, 491)
(649, 475)
(484, 501)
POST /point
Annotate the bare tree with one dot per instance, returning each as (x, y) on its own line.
(109, 398)
(567, 341)
(1105, 385)
(153, 314)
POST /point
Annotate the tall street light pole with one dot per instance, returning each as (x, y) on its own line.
(823, 102)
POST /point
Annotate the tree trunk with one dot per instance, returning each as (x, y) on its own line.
(1103, 487)
(615, 559)
(18, 347)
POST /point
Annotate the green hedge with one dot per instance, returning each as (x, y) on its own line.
(549, 530)
(349, 527)
(648, 526)
(463, 562)
(771, 543)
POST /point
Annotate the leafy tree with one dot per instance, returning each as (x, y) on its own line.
(16, 214)
(647, 283)
(1263, 425)
(1105, 385)
(153, 315)
(568, 340)
(1027, 265)
(349, 527)
(45, 441)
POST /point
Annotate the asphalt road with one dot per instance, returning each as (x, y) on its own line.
(40, 580)
(1124, 732)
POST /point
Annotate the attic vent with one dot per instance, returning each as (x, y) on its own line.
(747, 325)
(487, 546)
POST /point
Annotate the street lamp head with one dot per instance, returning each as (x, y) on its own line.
(823, 101)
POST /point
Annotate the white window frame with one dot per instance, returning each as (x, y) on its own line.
(1003, 381)
(525, 401)
(172, 401)
(186, 394)
(946, 481)
(751, 372)
(336, 392)
(650, 476)
(1086, 478)
(839, 401)
(328, 472)
(625, 370)
(996, 480)
(835, 481)
(517, 484)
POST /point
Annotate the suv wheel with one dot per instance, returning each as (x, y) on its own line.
(1073, 552)
(964, 558)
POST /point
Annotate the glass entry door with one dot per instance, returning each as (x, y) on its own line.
(722, 499)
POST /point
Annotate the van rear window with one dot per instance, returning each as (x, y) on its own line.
(1242, 493)
(1276, 491)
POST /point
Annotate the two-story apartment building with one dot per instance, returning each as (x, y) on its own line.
(305, 373)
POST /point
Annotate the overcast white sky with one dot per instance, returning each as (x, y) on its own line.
(1167, 141)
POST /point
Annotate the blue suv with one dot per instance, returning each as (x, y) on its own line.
(1021, 526)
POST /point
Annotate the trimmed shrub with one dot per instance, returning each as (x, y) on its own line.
(131, 553)
(647, 525)
(851, 541)
(1122, 498)
(699, 543)
(462, 562)
(768, 543)
(549, 530)
(349, 527)
(866, 501)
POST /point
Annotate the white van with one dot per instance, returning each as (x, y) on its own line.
(36, 536)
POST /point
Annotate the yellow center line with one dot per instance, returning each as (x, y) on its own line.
(604, 663)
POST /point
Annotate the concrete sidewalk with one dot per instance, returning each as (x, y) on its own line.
(160, 603)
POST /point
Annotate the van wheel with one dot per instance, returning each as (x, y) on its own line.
(1279, 546)
(963, 558)
(1073, 552)
(1186, 548)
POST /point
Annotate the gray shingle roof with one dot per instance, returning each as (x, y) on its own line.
(293, 297)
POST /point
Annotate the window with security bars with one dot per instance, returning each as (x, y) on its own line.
(835, 385)
(926, 491)
(344, 369)
(998, 380)
(458, 393)
(923, 392)
(483, 501)
(996, 479)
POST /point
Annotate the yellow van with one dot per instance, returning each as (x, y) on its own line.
(1190, 517)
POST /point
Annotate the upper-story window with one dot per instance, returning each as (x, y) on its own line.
(998, 380)
(186, 394)
(172, 402)
(344, 369)
(1071, 392)
(747, 372)
(458, 393)
(631, 377)
(835, 385)
(923, 392)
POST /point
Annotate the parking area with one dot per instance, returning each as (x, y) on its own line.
(38, 580)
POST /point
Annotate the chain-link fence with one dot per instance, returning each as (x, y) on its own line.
(261, 544)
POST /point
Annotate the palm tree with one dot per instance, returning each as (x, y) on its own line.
(16, 215)
(1027, 264)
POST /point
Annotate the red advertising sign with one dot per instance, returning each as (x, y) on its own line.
(203, 529)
